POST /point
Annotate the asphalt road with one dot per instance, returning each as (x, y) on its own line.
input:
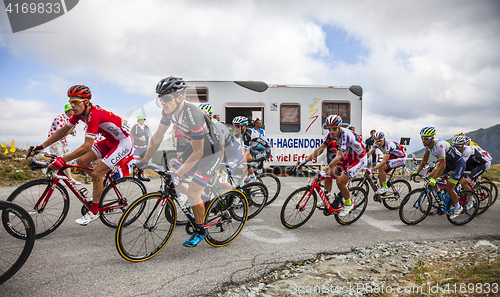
(83, 261)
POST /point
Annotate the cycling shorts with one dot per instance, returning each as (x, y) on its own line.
(112, 152)
(202, 171)
(395, 162)
(258, 156)
(351, 166)
(457, 169)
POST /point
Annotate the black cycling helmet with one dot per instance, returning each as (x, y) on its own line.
(170, 84)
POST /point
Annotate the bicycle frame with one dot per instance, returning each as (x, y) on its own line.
(316, 186)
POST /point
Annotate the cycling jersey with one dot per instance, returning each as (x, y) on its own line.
(392, 148)
(192, 124)
(442, 149)
(350, 142)
(222, 131)
(111, 126)
(233, 150)
(254, 139)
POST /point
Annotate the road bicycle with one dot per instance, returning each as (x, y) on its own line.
(417, 205)
(299, 206)
(148, 224)
(47, 200)
(272, 183)
(398, 189)
(14, 251)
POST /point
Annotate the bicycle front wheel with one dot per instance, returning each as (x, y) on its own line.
(225, 218)
(48, 218)
(359, 199)
(256, 194)
(273, 185)
(398, 189)
(470, 204)
(492, 187)
(14, 251)
(298, 207)
(118, 195)
(145, 227)
(358, 182)
(415, 206)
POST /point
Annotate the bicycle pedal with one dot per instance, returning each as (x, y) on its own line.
(326, 213)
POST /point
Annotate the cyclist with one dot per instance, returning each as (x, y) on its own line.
(475, 161)
(116, 145)
(201, 157)
(349, 160)
(449, 160)
(369, 142)
(394, 156)
(230, 146)
(255, 146)
(331, 145)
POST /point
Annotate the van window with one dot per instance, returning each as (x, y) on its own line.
(290, 117)
(197, 94)
(342, 109)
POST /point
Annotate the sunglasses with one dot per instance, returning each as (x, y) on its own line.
(458, 145)
(76, 101)
(379, 140)
(426, 138)
(166, 98)
(236, 125)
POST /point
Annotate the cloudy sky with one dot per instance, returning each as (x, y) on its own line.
(420, 63)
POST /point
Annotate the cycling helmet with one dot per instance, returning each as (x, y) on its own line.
(459, 139)
(170, 84)
(379, 135)
(240, 120)
(461, 133)
(332, 121)
(207, 107)
(468, 139)
(80, 91)
(428, 132)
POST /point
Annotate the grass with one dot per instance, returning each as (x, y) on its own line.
(15, 170)
(493, 172)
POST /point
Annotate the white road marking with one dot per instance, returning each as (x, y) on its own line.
(282, 236)
(382, 225)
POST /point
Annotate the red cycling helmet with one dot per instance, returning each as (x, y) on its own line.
(81, 91)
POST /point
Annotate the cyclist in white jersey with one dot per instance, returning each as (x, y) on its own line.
(394, 156)
(449, 161)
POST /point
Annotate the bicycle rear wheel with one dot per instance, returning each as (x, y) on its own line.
(465, 197)
(145, 227)
(14, 251)
(359, 199)
(273, 185)
(225, 218)
(256, 194)
(358, 182)
(398, 189)
(415, 206)
(492, 187)
(484, 195)
(124, 191)
(298, 207)
(48, 219)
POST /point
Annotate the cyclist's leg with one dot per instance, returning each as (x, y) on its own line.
(351, 171)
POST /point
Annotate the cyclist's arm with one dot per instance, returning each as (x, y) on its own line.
(155, 141)
(424, 160)
(370, 152)
(81, 150)
(335, 160)
(60, 133)
(318, 151)
(197, 145)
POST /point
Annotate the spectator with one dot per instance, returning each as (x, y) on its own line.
(352, 128)
(61, 147)
(140, 132)
(217, 117)
(368, 144)
(258, 124)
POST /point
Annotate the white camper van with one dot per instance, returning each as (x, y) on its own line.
(291, 115)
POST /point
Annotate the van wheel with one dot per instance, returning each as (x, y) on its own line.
(171, 156)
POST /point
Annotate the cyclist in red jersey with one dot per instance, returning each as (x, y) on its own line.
(116, 145)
